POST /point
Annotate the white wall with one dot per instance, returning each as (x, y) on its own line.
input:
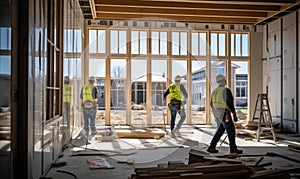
(280, 78)
(255, 68)
(289, 72)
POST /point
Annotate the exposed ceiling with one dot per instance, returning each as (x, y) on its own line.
(203, 11)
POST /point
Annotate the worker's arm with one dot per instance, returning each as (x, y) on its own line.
(94, 94)
(227, 96)
(81, 94)
(167, 92)
(81, 100)
(183, 90)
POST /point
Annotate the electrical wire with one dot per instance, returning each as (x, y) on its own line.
(67, 172)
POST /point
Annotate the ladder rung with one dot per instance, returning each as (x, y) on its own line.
(266, 128)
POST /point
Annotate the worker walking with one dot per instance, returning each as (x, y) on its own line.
(89, 105)
(178, 96)
(222, 105)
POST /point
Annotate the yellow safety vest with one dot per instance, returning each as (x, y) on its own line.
(217, 99)
(175, 92)
(68, 93)
(87, 92)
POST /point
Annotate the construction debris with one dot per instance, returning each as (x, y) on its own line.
(202, 165)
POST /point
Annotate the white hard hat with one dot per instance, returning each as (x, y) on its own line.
(177, 78)
(220, 78)
(91, 78)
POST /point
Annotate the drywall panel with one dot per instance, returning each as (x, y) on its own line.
(274, 36)
(272, 86)
(256, 79)
(289, 65)
(289, 20)
(289, 73)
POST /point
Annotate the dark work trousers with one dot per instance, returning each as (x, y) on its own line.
(230, 129)
(174, 111)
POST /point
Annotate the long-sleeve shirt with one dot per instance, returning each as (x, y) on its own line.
(228, 98)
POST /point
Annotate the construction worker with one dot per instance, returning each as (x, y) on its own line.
(89, 105)
(222, 105)
(67, 101)
(178, 96)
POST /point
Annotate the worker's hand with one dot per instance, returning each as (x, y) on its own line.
(235, 117)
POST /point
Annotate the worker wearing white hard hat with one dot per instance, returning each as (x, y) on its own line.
(178, 96)
(222, 104)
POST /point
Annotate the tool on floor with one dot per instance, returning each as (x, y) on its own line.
(264, 119)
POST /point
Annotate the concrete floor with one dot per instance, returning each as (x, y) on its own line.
(127, 154)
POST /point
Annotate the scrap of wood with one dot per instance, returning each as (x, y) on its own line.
(226, 160)
(196, 156)
(224, 170)
(140, 134)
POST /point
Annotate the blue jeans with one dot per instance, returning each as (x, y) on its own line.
(174, 111)
(89, 116)
(230, 129)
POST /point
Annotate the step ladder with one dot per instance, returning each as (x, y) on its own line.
(262, 115)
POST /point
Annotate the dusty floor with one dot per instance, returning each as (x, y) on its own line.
(124, 155)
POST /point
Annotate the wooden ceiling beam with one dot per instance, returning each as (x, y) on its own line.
(180, 12)
(272, 15)
(176, 18)
(239, 2)
(186, 5)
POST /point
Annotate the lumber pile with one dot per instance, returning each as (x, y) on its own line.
(203, 165)
(193, 171)
(200, 165)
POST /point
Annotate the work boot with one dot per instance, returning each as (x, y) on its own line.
(177, 132)
(173, 134)
(94, 132)
(237, 151)
(212, 150)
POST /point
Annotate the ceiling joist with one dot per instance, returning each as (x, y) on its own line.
(213, 11)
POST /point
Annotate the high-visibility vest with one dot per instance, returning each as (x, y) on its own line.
(68, 93)
(175, 92)
(217, 99)
(87, 93)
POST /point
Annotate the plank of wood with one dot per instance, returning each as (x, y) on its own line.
(140, 134)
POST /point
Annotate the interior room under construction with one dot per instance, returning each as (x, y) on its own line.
(134, 50)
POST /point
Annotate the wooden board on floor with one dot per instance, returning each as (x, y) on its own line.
(141, 133)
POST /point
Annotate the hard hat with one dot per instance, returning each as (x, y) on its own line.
(66, 78)
(177, 78)
(220, 78)
(91, 78)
